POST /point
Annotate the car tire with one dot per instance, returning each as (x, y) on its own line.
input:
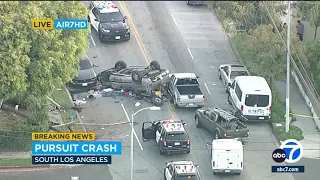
(157, 101)
(100, 37)
(155, 65)
(238, 113)
(160, 152)
(219, 74)
(216, 135)
(196, 119)
(120, 65)
(229, 100)
(188, 152)
(188, 3)
(164, 174)
(214, 173)
(137, 77)
(237, 174)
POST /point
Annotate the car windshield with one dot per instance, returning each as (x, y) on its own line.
(85, 64)
(257, 100)
(234, 74)
(187, 81)
(180, 136)
(111, 17)
(186, 177)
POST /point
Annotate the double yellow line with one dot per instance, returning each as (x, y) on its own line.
(143, 49)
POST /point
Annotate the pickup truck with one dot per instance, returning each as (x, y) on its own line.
(184, 90)
(222, 123)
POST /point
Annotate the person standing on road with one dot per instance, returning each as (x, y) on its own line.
(300, 30)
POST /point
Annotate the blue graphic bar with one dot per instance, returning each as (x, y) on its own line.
(287, 169)
(70, 24)
(76, 148)
(71, 160)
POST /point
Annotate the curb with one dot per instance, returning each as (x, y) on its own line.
(275, 138)
(77, 113)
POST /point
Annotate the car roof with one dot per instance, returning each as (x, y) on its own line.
(105, 6)
(238, 68)
(174, 127)
(225, 144)
(184, 75)
(253, 84)
(185, 167)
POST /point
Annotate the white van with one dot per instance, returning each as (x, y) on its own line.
(227, 156)
(252, 95)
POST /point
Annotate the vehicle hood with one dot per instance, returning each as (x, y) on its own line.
(116, 26)
(85, 74)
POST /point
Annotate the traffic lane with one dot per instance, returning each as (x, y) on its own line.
(257, 152)
(212, 40)
(118, 169)
(199, 149)
(144, 29)
(311, 167)
(97, 172)
(161, 14)
(101, 114)
(147, 162)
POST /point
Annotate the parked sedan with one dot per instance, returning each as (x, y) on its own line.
(228, 72)
(86, 75)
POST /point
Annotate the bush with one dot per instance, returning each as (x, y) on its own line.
(294, 133)
(278, 109)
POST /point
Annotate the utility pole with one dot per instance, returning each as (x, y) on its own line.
(288, 69)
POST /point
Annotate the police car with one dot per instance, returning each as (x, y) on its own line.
(176, 170)
(170, 135)
(106, 18)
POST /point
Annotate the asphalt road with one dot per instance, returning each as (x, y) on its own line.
(183, 39)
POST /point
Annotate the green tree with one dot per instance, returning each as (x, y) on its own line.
(35, 61)
(313, 55)
(262, 52)
(310, 11)
(247, 15)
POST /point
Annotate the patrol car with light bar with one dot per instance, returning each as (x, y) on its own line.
(176, 170)
(170, 135)
(106, 18)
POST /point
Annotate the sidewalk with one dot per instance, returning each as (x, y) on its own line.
(311, 141)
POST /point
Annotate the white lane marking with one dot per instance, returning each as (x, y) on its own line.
(205, 84)
(190, 53)
(174, 19)
(92, 40)
(134, 132)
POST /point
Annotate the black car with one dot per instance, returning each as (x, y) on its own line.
(170, 135)
(86, 75)
(108, 21)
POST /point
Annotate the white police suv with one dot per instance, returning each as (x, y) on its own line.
(181, 170)
(106, 18)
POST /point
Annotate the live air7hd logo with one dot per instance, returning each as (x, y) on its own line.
(290, 151)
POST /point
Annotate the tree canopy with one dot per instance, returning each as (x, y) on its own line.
(35, 61)
(247, 15)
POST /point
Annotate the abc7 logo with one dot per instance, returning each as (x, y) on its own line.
(291, 151)
(279, 155)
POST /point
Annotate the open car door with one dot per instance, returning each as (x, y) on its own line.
(148, 131)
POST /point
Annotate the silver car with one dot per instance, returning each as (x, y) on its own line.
(228, 72)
